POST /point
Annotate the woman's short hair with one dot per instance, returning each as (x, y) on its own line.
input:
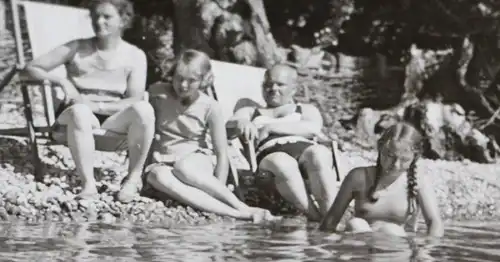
(125, 9)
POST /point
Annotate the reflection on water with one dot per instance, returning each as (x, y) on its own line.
(290, 240)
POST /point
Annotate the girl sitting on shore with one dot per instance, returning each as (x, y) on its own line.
(389, 195)
(186, 120)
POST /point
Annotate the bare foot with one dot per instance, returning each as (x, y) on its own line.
(130, 189)
(260, 215)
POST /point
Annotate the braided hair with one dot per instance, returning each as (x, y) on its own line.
(400, 133)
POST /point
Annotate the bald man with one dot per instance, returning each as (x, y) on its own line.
(283, 133)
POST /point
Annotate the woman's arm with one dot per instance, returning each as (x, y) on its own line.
(219, 140)
(136, 87)
(40, 67)
(428, 202)
(342, 200)
(309, 126)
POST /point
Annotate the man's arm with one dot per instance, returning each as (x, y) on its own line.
(309, 126)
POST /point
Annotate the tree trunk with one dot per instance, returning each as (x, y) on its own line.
(229, 30)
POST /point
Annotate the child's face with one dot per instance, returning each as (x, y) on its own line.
(396, 157)
(187, 81)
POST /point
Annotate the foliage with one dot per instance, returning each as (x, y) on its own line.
(391, 26)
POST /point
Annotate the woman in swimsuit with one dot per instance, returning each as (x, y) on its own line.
(283, 133)
(104, 88)
(190, 149)
(389, 195)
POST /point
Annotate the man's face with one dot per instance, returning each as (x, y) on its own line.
(279, 86)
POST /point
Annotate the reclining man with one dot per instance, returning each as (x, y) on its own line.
(283, 133)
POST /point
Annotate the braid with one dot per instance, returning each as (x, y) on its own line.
(412, 186)
(378, 174)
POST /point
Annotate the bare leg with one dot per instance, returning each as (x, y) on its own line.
(318, 162)
(289, 182)
(389, 228)
(163, 179)
(79, 121)
(137, 122)
(200, 175)
(358, 225)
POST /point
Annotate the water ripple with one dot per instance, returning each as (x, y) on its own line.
(292, 240)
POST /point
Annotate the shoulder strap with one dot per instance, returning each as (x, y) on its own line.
(298, 109)
(255, 114)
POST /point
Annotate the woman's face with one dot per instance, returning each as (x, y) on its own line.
(396, 158)
(186, 81)
(106, 20)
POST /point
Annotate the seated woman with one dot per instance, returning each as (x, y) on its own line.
(283, 133)
(389, 195)
(104, 88)
(189, 124)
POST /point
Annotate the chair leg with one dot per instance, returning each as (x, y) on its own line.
(28, 113)
(335, 162)
(234, 180)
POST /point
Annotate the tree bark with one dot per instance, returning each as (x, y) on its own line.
(229, 30)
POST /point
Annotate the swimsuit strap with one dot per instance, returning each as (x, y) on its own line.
(256, 112)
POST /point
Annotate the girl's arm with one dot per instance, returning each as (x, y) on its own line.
(219, 141)
(136, 87)
(242, 117)
(342, 200)
(428, 202)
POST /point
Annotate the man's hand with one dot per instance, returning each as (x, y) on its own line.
(247, 129)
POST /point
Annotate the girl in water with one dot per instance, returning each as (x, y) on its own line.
(389, 194)
(190, 130)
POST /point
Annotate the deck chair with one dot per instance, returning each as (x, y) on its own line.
(237, 86)
(47, 26)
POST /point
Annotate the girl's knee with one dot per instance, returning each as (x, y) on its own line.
(194, 169)
(160, 174)
(358, 225)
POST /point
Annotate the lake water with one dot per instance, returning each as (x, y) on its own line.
(290, 240)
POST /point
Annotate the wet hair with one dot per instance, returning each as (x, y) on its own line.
(125, 9)
(401, 133)
(187, 58)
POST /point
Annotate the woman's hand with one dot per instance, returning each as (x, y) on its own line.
(72, 96)
(247, 129)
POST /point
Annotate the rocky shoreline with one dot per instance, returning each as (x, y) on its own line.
(465, 190)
